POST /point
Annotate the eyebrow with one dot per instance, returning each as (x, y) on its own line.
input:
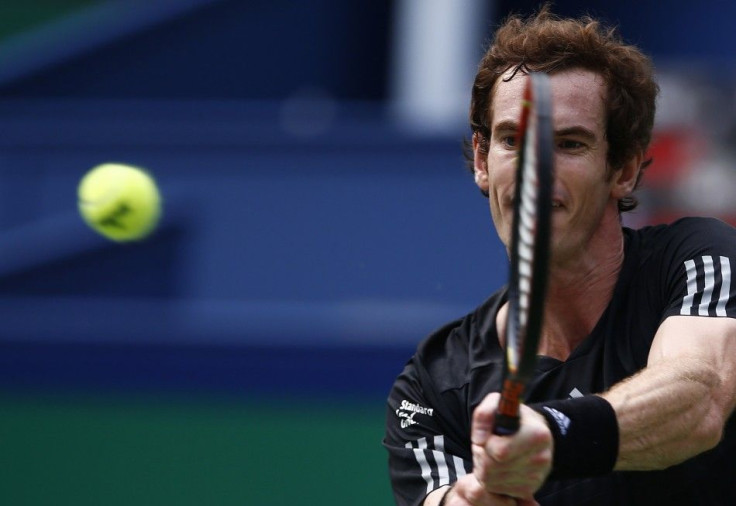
(576, 131)
(579, 131)
(505, 126)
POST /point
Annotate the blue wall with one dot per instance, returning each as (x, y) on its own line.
(359, 237)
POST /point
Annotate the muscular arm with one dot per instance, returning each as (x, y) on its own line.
(672, 410)
(677, 406)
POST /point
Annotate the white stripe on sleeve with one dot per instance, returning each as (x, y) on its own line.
(421, 448)
(725, 286)
(439, 457)
(708, 288)
(422, 461)
(459, 466)
(692, 287)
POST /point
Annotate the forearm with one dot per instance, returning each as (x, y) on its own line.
(667, 413)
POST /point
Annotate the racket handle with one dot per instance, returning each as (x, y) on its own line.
(507, 413)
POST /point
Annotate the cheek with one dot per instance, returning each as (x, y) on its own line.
(502, 218)
(501, 172)
(501, 177)
(591, 195)
(585, 178)
(496, 214)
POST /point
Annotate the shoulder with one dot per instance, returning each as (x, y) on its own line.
(451, 352)
(684, 267)
(695, 228)
(684, 238)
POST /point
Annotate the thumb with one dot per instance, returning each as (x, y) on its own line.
(484, 417)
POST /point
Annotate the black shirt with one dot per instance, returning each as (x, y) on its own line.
(678, 269)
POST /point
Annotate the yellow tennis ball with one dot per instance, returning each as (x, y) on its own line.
(119, 201)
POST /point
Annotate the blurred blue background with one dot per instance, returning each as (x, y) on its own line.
(318, 222)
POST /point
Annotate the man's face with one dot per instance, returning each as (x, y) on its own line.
(582, 191)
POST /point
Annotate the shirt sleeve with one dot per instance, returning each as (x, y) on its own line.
(424, 451)
(702, 256)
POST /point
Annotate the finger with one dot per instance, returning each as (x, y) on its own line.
(519, 478)
(533, 441)
(484, 417)
(529, 445)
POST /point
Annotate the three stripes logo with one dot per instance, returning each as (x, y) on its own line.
(438, 468)
(708, 286)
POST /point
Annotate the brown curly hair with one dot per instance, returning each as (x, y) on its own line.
(547, 43)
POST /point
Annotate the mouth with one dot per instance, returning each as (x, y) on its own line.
(556, 204)
(508, 200)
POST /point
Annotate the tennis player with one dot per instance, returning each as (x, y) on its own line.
(633, 397)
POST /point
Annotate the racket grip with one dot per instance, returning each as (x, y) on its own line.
(507, 414)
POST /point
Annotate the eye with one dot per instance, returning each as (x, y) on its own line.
(570, 144)
(509, 141)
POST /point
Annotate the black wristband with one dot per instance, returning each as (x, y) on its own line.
(585, 433)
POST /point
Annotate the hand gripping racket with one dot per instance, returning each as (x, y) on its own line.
(529, 247)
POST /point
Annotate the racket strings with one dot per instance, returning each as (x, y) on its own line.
(527, 236)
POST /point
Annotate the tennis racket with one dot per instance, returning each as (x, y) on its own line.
(530, 239)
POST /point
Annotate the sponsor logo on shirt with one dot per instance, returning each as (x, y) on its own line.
(407, 410)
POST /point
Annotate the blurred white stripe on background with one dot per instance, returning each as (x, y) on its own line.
(437, 44)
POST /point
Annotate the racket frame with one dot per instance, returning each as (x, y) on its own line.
(528, 276)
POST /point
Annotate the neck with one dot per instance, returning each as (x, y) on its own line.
(579, 292)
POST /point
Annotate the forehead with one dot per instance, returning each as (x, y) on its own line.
(577, 98)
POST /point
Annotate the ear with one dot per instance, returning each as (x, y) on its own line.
(480, 162)
(624, 179)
